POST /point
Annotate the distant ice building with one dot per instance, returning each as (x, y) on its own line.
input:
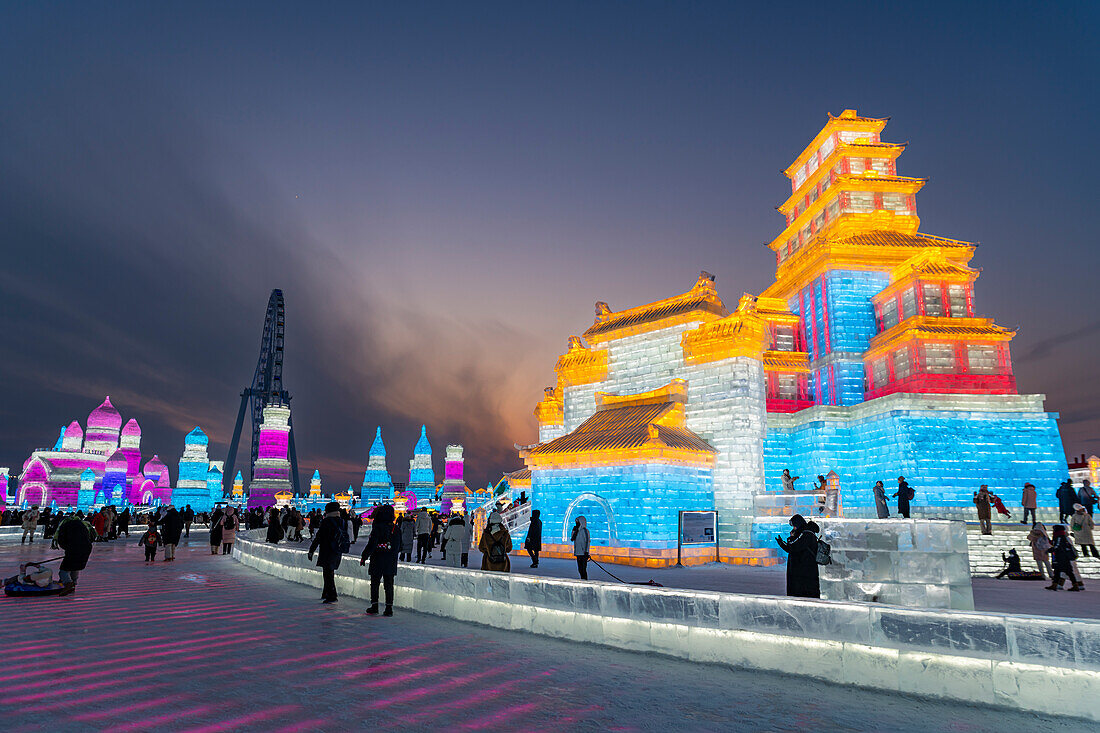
(377, 485)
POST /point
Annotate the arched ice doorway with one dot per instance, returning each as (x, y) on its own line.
(598, 515)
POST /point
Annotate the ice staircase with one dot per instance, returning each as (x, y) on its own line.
(985, 550)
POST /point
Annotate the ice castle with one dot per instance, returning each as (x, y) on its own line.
(195, 485)
(377, 485)
(421, 473)
(110, 450)
(271, 474)
(866, 360)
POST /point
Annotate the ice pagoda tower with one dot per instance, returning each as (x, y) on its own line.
(421, 473)
(192, 487)
(238, 488)
(454, 486)
(214, 482)
(86, 497)
(272, 471)
(377, 485)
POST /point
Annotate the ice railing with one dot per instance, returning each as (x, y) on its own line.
(635, 616)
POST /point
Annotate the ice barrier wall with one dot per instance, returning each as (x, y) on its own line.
(1040, 664)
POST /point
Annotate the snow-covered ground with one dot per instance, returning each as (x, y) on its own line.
(207, 644)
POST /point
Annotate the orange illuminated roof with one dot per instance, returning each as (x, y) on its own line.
(702, 299)
(888, 238)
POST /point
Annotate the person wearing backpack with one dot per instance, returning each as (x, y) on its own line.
(495, 545)
(582, 543)
(332, 541)
(1063, 554)
(904, 495)
(150, 541)
(229, 529)
(802, 561)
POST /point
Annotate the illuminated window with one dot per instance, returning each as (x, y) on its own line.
(908, 303)
(833, 209)
(826, 183)
(956, 299)
(982, 359)
(902, 364)
(939, 358)
(827, 147)
(812, 195)
(882, 165)
(784, 338)
(799, 178)
(786, 386)
(889, 314)
(856, 165)
(933, 300)
(819, 221)
(880, 374)
(861, 203)
(895, 202)
(806, 234)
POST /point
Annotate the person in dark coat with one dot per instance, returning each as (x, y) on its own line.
(74, 536)
(882, 509)
(407, 527)
(274, 526)
(1067, 497)
(329, 539)
(533, 543)
(382, 549)
(801, 549)
(171, 529)
(1062, 555)
(216, 520)
(904, 494)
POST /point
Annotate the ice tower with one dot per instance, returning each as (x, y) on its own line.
(191, 486)
(86, 497)
(272, 471)
(454, 487)
(377, 485)
(238, 488)
(421, 473)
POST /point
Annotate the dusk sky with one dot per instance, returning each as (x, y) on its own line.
(443, 191)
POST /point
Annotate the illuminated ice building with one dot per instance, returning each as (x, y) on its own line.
(111, 451)
(868, 356)
(377, 485)
(271, 474)
(194, 485)
(421, 473)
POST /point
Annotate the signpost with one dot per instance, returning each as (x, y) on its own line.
(697, 528)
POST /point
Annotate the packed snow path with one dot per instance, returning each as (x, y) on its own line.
(205, 644)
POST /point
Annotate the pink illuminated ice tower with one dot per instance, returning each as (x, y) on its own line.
(271, 474)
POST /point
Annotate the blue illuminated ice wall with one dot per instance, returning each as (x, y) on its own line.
(625, 506)
(945, 454)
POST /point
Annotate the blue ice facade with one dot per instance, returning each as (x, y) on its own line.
(377, 484)
(838, 323)
(113, 488)
(944, 454)
(624, 506)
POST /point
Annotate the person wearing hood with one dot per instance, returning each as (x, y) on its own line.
(330, 540)
(983, 501)
(1040, 549)
(171, 529)
(216, 521)
(453, 539)
(1067, 497)
(1063, 554)
(533, 543)
(801, 549)
(382, 549)
(274, 526)
(1081, 524)
(74, 536)
(582, 544)
(1029, 501)
(882, 509)
(495, 545)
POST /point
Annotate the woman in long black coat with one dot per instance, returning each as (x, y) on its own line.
(801, 548)
(329, 544)
(382, 549)
(75, 538)
(216, 520)
(533, 543)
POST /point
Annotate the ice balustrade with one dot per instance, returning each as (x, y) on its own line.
(1043, 664)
